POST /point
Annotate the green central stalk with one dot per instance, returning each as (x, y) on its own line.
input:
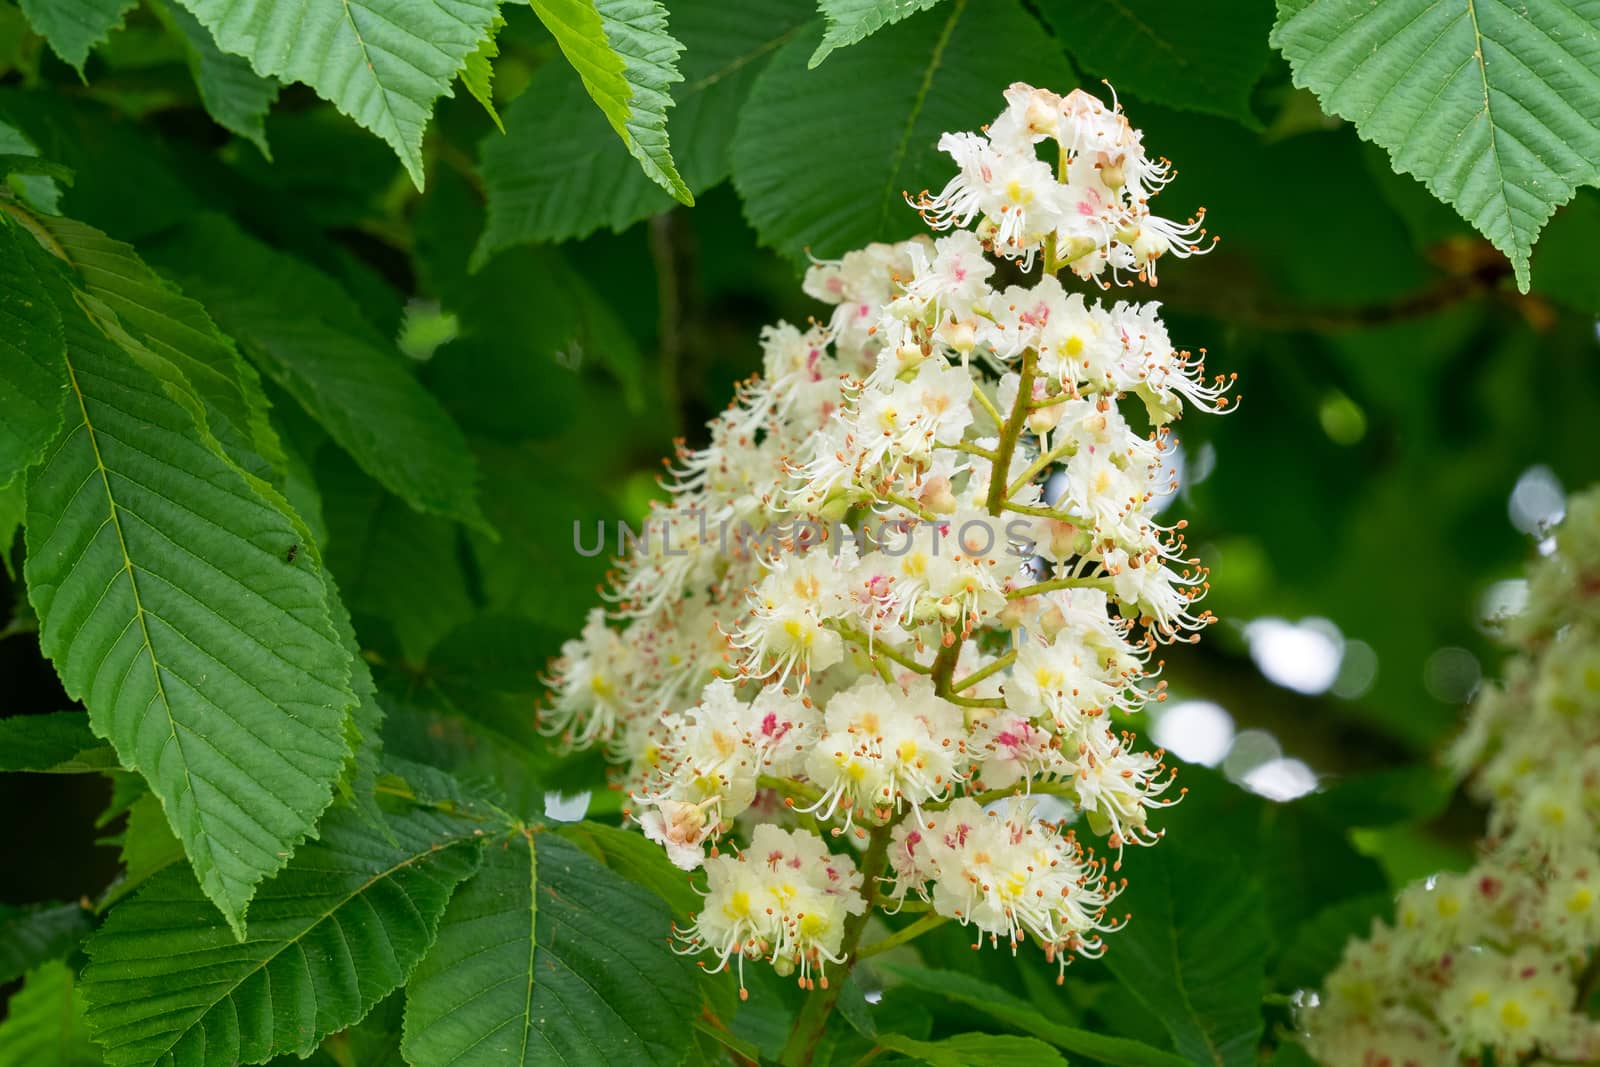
(812, 1021)
(1010, 433)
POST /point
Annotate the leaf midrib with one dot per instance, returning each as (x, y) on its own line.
(286, 943)
(201, 843)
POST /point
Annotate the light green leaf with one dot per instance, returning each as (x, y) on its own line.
(184, 627)
(1195, 951)
(1009, 1009)
(1494, 105)
(341, 927)
(233, 94)
(148, 847)
(1199, 57)
(382, 62)
(850, 21)
(560, 172)
(976, 1050)
(349, 377)
(36, 190)
(36, 934)
(177, 329)
(58, 743)
(628, 62)
(478, 74)
(33, 379)
(44, 1023)
(548, 957)
(73, 27)
(867, 128)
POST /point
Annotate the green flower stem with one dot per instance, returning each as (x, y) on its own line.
(1010, 432)
(906, 933)
(799, 792)
(977, 676)
(1045, 459)
(879, 647)
(812, 1021)
(1101, 583)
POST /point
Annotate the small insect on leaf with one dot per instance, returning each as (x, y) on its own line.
(294, 550)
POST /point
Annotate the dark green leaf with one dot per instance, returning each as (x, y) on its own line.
(867, 127)
(233, 94)
(73, 27)
(350, 378)
(59, 742)
(33, 379)
(975, 1050)
(1009, 1009)
(544, 957)
(382, 62)
(334, 933)
(1185, 55)
(36, 934)
(850, 21)
(1195, 951)
(399, 571)
(560, 172)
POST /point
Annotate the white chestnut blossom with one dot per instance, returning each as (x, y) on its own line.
(1501, 959)
(858, 640)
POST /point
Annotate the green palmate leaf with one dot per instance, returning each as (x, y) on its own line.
(638, 859)
(1192, 56)
(233, 94)
(1011, 1010)
(869, 125)
(73, 27)
(176, 328)
(1195, 952)
(1494, 105)
(58, 743)
(548, 957)
(44, 1023)
(560, 173)
(33, 380)
(850, 21)
(364, 729)
(975, 1050)
(399, 571)
(36, 934)
(478, 74)
(166, 599)
(628, 62)
(348, 376)
(338, 930)
(382, 62)
(1318, 944)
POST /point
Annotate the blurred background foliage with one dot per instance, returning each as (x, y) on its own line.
(1409, 421)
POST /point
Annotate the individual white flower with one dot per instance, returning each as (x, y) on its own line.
(884, 747)
(785, 899)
